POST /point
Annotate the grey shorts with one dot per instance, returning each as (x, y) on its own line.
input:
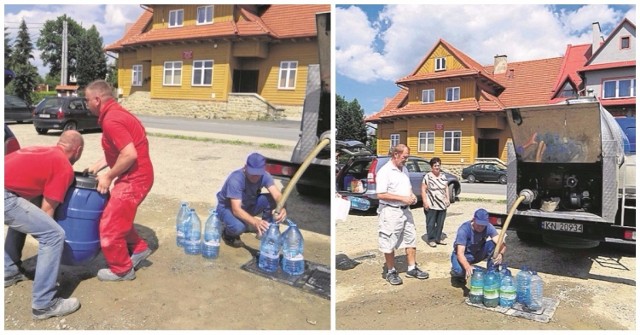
(396, 229)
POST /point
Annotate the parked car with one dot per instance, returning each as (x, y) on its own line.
(356, 181)
(485, 172)
(16, 109)
(63, 113)
(348, 148)
(11, 143)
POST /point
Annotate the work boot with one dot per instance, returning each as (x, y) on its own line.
(232, 241)
(14, 279)
(138, 257)
(108, 275)
(60, 307)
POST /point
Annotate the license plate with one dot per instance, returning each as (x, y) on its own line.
(44, 116)
(359, 203)
(562, 226)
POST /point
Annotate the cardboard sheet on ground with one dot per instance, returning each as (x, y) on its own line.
(316, 278)
(545, 314)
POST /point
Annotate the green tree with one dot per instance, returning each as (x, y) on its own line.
(350, 120)
(26, 74)
(92, 62)
(112, 74)
(7, 49)
(50, 45)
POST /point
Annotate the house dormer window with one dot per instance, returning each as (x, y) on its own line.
(625, 42)
(453, 94)
(441, 64)
(205, 14)
(176, 18)
(567, 91)
(428, 96)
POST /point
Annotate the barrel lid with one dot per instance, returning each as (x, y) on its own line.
(85, 180)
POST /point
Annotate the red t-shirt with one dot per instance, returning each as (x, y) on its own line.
(34, 171)
(119, 128)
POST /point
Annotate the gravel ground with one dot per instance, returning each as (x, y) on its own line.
(596, 288)
(174, 290)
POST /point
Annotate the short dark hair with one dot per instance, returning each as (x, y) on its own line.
(435, 160)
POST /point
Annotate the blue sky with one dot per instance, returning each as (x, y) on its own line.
(110, 20)
(379, 44)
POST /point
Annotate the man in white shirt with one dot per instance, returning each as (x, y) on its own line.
(396, 226)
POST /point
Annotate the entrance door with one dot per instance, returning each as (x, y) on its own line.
(488, 148)
(245, 81)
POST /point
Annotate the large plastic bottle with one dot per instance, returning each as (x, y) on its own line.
(504, 270)
(507, 291)
(536, 292)
(270, 249)
(192, 238)
(523, 286)
(477, 284)
(491, 295)
(183, 215)
(292, 250)
(212, 232)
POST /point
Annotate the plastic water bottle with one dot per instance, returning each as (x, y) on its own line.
(192, 238)
(507, 291)
(292, 250)
(504, 270)
(523, 286)
(183, 215)
(477, 285)
(491, 289)
(536, 292)
(270, 249)
(211, 241)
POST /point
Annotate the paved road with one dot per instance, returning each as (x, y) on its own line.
(493, 189)
(280, 130)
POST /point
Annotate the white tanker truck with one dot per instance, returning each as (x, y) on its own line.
(568, 176)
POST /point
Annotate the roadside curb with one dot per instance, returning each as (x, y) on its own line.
(222, 137)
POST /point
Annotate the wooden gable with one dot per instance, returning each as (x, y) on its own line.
(440, 51)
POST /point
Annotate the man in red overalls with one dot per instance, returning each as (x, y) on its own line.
(126, 151)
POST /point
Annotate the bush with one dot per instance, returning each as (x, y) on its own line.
(38, 96)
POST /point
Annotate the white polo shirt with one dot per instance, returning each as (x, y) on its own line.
(391, 180)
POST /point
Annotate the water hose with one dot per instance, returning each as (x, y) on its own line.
(526, 196)
(325, 140)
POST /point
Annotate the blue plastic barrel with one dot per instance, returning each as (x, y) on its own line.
(79, 216)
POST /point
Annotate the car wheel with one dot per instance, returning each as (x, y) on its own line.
(502, 179)
(20, 121)
(452, 194)
(471, 178)
(70, 126)
(41, 131)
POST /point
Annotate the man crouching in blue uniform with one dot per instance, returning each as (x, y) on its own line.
(240, 200)
(475, 241)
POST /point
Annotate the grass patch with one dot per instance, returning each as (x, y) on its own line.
(483, 200)
(220, 141)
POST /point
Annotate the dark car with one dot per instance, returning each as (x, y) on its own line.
(356, 181)
(11, 143)
(348, 148)
(16, 109)
(485, 172)
(63, 113)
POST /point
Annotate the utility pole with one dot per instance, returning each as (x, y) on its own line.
(63, 67)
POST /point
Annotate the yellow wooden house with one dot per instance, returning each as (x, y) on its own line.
(209, 56)
(452, 107)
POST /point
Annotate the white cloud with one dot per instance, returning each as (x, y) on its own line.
(406, 33)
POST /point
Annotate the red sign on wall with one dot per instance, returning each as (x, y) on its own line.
(439, 126)
(187, 54)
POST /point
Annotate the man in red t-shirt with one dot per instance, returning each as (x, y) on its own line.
(126, 153)
(32, 173)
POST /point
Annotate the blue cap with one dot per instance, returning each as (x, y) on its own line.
(481, 217)
(255, 164)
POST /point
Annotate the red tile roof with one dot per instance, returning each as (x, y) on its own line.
(277, 21)
(574, 58)
(631, 63)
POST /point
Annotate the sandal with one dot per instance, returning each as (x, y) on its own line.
(432, 244)
(441, 242)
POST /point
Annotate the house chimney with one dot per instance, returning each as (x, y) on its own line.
(597, 36)
(499, 64)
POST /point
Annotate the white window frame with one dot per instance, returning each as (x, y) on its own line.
(395, 140)
(426, 141)
(287, 75)
(207, 10)
(430, 96)
(175, 16)
(136, 75)
(175, 71)
(632, 88)
(440, 64)
(453, 94)
(452, 138)
(204, 70)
